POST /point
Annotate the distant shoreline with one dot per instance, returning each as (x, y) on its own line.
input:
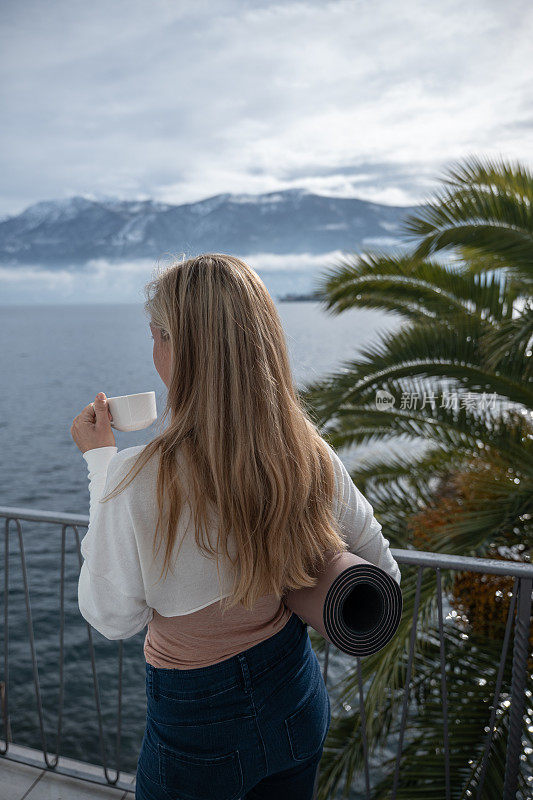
(298, 298)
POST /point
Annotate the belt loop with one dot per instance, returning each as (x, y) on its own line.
(247, 681)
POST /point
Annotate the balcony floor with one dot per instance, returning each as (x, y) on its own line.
(23, 782)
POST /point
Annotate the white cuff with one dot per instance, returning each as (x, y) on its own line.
(99, 457)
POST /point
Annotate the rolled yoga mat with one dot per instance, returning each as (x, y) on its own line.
(355, 605)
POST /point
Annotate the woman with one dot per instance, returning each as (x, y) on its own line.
(246, 497)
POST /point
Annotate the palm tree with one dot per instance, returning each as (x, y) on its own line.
(466, 338)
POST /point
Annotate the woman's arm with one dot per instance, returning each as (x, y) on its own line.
(111, 595)
(359, 527)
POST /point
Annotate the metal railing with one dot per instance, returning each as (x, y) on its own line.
(521, 599)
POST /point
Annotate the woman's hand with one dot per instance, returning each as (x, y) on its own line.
(92, 428)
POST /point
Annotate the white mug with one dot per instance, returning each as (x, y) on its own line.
(133, 412)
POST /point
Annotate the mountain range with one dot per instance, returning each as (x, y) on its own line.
(55, 233)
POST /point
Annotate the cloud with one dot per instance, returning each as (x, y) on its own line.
(99, 281)
(103, 281)
(307, 262)
(182, 101)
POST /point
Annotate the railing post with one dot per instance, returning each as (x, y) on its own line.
(518, 685)
(5, 717)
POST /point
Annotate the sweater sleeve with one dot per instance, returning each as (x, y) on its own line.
(359, 527)
(111, 594)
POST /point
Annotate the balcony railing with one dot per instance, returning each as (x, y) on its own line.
(436, 562)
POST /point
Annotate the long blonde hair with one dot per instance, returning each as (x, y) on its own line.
(251, 452)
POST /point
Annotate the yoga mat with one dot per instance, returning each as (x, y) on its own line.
(355, 605)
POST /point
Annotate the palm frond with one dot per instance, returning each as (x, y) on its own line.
(483, 206)
(469, 430)
(416, 289)
(513, 338)
(446, 351)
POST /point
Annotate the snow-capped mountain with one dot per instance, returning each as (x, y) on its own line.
(72, 231)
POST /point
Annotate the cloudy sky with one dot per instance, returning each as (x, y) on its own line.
(182, 100)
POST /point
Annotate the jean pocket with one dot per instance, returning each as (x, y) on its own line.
(200, 777)
(307, 727)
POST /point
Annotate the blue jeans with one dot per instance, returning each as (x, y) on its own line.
(252, 726)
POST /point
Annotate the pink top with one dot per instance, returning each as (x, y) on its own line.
(206, 636)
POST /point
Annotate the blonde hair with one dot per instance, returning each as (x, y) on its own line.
(251, 452)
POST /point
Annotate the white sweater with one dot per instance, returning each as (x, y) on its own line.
(117, 589)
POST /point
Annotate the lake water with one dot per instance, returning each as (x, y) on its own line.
(54, 360)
